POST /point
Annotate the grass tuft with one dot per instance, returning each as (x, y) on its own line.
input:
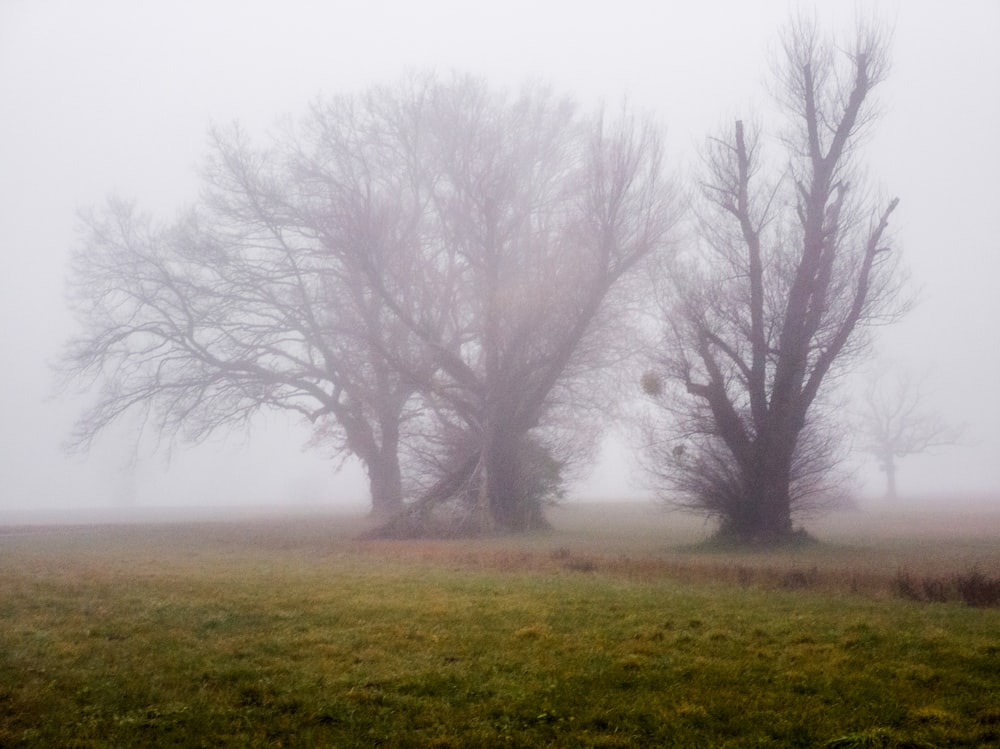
(876, 738)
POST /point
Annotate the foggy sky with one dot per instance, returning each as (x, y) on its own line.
(117, 96)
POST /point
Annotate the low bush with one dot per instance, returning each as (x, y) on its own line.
(972, 587)
(977, 589)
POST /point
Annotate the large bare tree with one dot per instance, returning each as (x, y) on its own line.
(791, 268)
(236, 307)
(537, 218)
(431, 266)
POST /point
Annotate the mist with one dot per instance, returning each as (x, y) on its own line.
(118, 97)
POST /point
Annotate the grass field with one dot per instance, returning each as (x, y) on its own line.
(612, 631)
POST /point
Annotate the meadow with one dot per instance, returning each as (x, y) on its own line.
(615, 629)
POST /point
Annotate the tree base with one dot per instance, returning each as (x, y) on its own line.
(728, 538)
(440, 522)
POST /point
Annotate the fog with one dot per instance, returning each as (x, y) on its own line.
(117, 96)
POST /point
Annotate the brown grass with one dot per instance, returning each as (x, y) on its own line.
(859, 552)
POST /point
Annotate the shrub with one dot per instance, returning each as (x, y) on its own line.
(977, 589)
(972, 587)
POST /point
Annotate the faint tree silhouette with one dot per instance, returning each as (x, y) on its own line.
(896, 421)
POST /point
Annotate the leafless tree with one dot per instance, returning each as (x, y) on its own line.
(238, 306)
(791, 268)
(429, 268)
(538, 216)
(895, 422)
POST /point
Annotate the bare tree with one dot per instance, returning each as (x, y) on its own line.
(237, 307)
(895, 422)
(791, 268)
(428, 268)
(538, 214)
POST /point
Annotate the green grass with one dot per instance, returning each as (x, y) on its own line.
(290, 634)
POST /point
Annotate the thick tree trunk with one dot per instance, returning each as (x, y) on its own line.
(776, 504)
(774, 520)
(763, 516)
(514, 503)
(384, 476)
(385, 484)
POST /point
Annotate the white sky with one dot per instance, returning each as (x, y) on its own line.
(117, 95)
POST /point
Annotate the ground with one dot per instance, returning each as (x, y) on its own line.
(614, 629)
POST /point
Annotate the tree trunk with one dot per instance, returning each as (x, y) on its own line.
(384, 476)
(890, 476)
(766, 518)
(385, 484)
(764, 515)
(511, 481)
(774, 519)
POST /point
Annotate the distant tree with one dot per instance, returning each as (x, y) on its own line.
(791, 268)
(895, 422)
